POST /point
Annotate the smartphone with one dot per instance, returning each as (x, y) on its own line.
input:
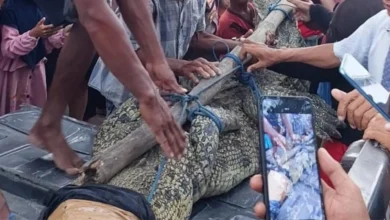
(291, 179)
(366, 84)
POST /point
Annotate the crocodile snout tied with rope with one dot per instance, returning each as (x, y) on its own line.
(218, 157)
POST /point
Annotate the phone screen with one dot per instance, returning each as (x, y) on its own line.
(369, 86)
(292, 181)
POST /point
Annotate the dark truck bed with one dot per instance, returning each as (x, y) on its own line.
(27, 176)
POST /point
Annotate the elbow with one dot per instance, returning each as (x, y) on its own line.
(91, 20)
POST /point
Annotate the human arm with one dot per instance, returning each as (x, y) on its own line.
(324, 56)
(114, 47)
(275, 136)
(320, 56)
(14, 45)
(203, 41)
(138, 18)
(188, 69)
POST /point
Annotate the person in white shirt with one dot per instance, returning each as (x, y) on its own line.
(369, 44)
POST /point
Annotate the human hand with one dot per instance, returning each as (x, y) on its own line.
(280, 140)
(261, 54)
(343, 202)
(376, 131)
(163, 77)
(302, 11)
(355, 108)
(200, 67)
(168, 133)
(42, 30)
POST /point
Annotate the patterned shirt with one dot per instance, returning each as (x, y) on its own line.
(176, 22)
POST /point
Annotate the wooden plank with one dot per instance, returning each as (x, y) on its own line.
(115, 158)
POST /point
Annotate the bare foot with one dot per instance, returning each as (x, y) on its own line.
(51, 139)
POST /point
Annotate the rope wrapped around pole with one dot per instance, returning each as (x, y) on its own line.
(115, 158)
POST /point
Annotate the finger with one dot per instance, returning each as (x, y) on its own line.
(338, 94)
(204, 64)
(179, 137)
(48, 27)
(332, 169)
(211, 65)
(260, 210)
(387, 127)
(248, 33)
(359, 115)
(344, 102)
(367, 117)
(163, 142)
(41, 22)
(192, 77)
(256, 183)
(173, 86)
(255, 66)
(202, 72)
(351, 110)
(368, 134)
(248, 41)
(172, 140)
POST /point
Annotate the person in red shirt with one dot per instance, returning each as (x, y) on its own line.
(238, 19)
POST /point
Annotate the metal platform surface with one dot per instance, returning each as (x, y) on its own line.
(28, 171)
(28, 177)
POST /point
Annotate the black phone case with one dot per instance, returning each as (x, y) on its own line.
(263, 163)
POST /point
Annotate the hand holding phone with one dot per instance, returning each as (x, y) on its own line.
(368, 86)
(290, 172)
(344, 201)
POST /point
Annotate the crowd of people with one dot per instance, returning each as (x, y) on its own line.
(124, 48)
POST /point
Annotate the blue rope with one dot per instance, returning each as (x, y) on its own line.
(200, 110)
(222, 42)
(274, 7)
(247, 79)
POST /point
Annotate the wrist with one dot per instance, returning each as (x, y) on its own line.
(148, 96)
(33, 34)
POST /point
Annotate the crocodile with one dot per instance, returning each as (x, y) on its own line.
(215, 161)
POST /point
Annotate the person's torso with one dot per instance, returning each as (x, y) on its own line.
(176, 23)
(379, 49)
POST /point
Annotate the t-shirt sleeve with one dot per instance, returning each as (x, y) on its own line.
(152, 9)
(201, 25)
(359, 43)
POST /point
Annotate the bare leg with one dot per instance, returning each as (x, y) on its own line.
(78, 104)
(4, 209)
(73, 63)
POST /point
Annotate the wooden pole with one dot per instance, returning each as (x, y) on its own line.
(115, 158)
